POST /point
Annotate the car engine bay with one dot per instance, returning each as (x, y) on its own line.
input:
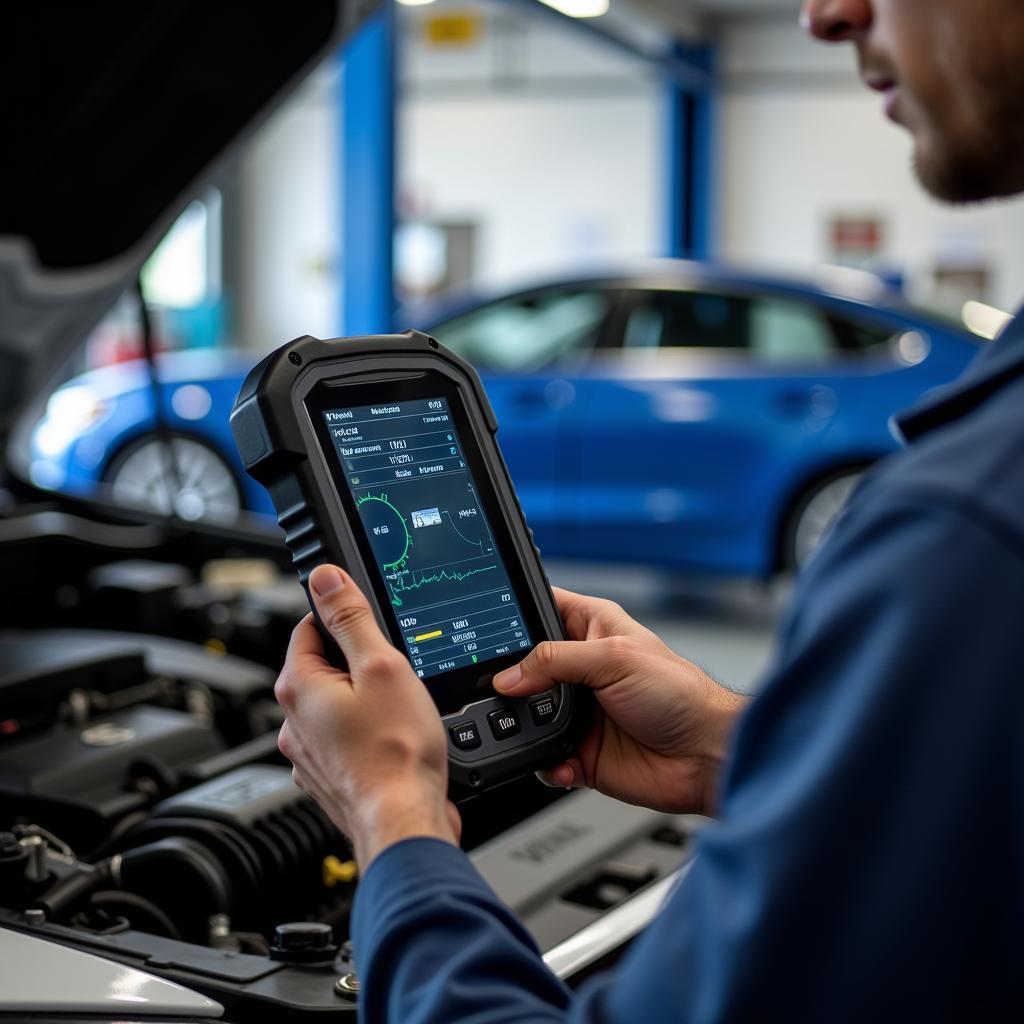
(146, 814)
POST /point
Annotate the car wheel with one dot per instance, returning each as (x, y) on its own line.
(815, 514)
(199, 485)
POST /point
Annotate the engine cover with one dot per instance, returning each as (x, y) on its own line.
(77, 780)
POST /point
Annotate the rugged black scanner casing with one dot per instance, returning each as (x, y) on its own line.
(278, 446)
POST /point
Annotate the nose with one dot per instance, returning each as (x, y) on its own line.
(836, 21)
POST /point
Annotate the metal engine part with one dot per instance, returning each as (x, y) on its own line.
(269, 838)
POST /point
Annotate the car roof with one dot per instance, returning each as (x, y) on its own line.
(839, 286)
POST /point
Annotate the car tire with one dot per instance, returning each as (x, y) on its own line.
(202, 487)
(814, 515)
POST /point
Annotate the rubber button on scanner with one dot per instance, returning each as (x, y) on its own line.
(543, 709)
(504, 723)
(465, 735)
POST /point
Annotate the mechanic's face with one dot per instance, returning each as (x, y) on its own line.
(952, 73)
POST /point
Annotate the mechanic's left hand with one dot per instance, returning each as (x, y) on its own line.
(368, 744)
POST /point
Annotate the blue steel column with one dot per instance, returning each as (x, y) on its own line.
(367, 109)
(690, 160)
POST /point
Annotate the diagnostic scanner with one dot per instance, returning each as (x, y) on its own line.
(379, 455)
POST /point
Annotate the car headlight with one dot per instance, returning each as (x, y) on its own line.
(69, 413)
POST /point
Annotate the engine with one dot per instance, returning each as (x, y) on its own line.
(147, 817)
(127, 803)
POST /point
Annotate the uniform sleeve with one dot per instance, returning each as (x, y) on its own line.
(869, 782)
(435, 945)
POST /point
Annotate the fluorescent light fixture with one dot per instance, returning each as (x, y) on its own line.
(983, 320)
(415, 3)
(579, 8)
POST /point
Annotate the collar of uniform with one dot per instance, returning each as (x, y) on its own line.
(1000, 361)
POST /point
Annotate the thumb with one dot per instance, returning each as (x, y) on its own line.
(589, 662)
(347, 616)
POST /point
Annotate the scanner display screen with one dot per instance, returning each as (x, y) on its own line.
(433, 545)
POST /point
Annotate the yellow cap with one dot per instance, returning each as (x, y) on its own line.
(339, 872)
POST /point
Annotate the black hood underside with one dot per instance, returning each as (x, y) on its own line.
(116, 115)
(112, 109)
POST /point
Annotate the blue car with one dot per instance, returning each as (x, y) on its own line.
(675, 415)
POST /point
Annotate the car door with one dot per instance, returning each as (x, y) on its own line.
(529, 348)
(698, 423)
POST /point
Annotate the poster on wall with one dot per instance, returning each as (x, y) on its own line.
(856, 241)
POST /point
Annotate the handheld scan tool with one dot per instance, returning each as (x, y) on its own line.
(379, 454)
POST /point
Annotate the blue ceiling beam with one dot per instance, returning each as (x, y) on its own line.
(366, 105)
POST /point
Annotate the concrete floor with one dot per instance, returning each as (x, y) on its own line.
(726, 628)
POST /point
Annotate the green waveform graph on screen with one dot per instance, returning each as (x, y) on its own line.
(379, 517)
(400, 585)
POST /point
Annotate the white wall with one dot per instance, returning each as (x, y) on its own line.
(289, 229)
(801, 140)
(552, 183)
(548, 140)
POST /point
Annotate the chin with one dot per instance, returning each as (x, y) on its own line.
(969, 174)
(956, 182)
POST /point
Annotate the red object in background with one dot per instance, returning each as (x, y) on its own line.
(859, 235)
(110, 344)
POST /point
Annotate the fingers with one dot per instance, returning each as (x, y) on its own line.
(454, 819)
(306, 646)
(284, 740)
(347, 616)
(588, 618)
(594, 663)
(305, 667)
(568, 775)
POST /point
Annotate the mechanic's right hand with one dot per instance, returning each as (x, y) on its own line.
(662, 727)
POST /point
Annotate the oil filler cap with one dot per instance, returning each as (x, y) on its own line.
(304, 942)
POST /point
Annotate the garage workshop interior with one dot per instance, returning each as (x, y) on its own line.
(477, 299)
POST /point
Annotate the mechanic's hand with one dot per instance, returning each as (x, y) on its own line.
(367, 745)
(662, 725)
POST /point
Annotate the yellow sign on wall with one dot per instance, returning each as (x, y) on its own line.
(452, 29)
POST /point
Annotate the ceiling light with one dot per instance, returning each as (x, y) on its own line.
(579, 8)
(415, 3)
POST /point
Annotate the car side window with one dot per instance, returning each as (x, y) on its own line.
(863, 337)
(768, 328)
(688, 319)
(785, 331)
(527, 332)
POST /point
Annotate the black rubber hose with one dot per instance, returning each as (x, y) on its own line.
(117, 833)
(73, 890)
(236, 855)
(143, 865)
(130, 905)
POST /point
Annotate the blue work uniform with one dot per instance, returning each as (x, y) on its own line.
(868, 861)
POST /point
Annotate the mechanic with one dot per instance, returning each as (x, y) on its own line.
(867, 857)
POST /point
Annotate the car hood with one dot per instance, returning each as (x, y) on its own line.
(116, 116)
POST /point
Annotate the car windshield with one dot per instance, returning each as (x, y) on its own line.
(529, 331)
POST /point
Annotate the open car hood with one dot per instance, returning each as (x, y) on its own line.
(116, 116)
